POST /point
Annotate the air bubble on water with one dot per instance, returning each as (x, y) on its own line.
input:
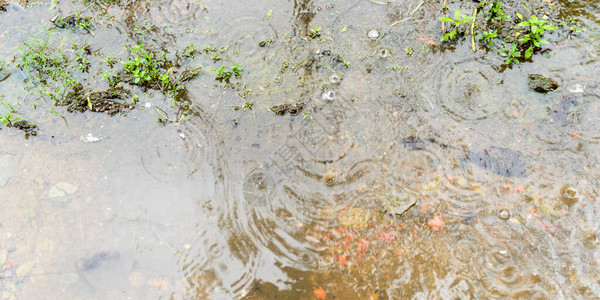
(328, 95)
(504, 214)
(334, 79)
(373, 34)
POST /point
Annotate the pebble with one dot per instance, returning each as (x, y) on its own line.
(576, 89)
(89, 138)
(24, 269)
(61, 190)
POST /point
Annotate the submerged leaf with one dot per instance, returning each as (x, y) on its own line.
(320, 293)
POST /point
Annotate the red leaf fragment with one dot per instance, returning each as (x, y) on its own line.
(436, 223)
(520, 188)
(387, 236)
(320, 293)
(342, 260)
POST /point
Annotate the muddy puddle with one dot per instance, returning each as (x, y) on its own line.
(299, 149)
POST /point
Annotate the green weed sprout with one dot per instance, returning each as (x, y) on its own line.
(458, 19)
(533, 36)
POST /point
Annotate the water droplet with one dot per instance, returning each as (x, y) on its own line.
(373, 34)
(329, 179)
(504, 214)
(567, 268)
(383, 53)
(570, 194)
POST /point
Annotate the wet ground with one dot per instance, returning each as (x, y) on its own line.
(333, 162)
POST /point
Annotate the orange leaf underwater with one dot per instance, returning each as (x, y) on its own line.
(320, 293)
(436, 223)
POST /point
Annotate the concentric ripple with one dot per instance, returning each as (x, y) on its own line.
(469, 90)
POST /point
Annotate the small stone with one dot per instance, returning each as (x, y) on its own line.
(354, 217)
(55, 192)
(61, 190)
(89, 138)
(148, 105)
(541, 83)
(373, 34)
(397, 203)
(24, 269)
(576, 89)
(67, 188)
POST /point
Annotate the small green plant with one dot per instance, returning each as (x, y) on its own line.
(532, 38)
(489, 36)
(82, 63)
(457, 21)
(314, 32)
(190, 51)
(573, 25)
(222, 74)
(142, 64)
(269, 15)
(75, 21)
(8, 119)
(236, 70)
(42, 60)
(511, 54)
(111, 62)
(153, 71)
(215, 57)
(248, 105)
(496, 13)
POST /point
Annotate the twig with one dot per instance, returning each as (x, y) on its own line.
(400, 21)
(413, 11)
(336, 73)
(444, 23)
(169, 246)
(472, 30)
(5, 76)
(410, 15)
(382, 3)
